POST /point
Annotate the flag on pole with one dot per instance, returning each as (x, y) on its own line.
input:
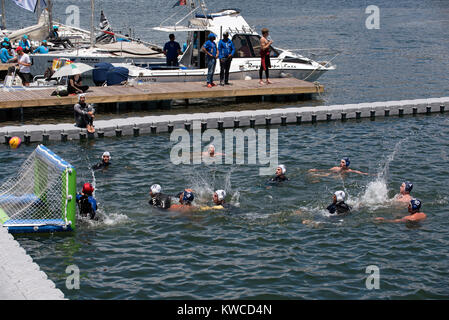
(180, 3)
(30, 5)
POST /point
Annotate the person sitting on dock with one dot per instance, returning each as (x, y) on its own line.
(75, 85)
(8, 43)
(404, 192)
(186, 198)
(280, 174)
(57, 40)
(416, 215)
(104, 163)
(211, 51)
(43, 48)
(172, 50)
(84, 114)
(25, 44)
(4, 53)
(158, 199)
(338, 205)
(87, 204)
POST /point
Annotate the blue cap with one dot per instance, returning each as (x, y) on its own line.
(55, 27)
(25, 37)
(44, 41)
(347, 161)
(408, 186)
(188, 197)
(6, 39)
(4, 44)
(416, 204)
(212, 35)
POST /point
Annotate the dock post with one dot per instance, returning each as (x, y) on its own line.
(83, 135)
(236, 123)
(415, 111)
(387, 112)
(203, 125)
(136, 131)
(267, 120)
(284, 120)
(343, 116)
(298, 119)
(100, 134)
(428, 110)
(329, 117)
(441, 109)
(153, 128)
(7, 138)
(27, 138)
(401, 112)
(170, 127)
(313, 118)
(45, 137)
(187, 126)
(373, 114)
(220, 124)
(358, 115)
(64, 136)
(118, 132)
(21, 115)
(252, 122)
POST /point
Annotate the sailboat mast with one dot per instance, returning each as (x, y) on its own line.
(50, 16)
(3, 15)
(38, 10)
(92, 27)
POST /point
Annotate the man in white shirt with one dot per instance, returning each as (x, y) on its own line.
(24, 63)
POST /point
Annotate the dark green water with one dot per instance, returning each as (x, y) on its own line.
(262, 249)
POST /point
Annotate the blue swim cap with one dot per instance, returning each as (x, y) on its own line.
(416, 204)
(408, 186)
(25, 37)
(55, 27)
(4, 44)
(6, 39)
(188, 197)
(347, 161)
(212, 35)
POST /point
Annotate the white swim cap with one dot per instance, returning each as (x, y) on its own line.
(211, 146)
(155, 189)
(106, 154)
(283, 168)
(221, 194)
(82, 95)
(340, 196)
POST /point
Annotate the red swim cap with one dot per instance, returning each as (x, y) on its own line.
(87, 188)
(19, 49)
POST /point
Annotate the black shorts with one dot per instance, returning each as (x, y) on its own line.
(26, 77)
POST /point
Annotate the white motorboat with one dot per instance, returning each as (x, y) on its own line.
(246, 62)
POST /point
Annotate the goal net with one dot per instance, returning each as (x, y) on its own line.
(41, 196)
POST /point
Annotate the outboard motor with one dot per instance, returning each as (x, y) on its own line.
(117, 76)
(100, 73)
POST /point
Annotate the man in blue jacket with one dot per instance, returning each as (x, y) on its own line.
(43, 48)
(226, 50)
(211, 51)
(4, 53)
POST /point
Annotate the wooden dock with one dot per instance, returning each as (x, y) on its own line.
(5, 66)
(159, 91)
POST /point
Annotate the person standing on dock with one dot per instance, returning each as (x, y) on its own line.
(84, 114)
(211, 51)
(172, 51)
(24, 63)
(226, 51)
(265, 64)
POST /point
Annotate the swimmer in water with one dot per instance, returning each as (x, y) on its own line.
(219, 201)
(404, 192)
(280, 174)
(414, 208)
(86, 202)
(105, 162)
(343, 168)
(185, 201)
(211, 152)
(158, 199)
(338, 206)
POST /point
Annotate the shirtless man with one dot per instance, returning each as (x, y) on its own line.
(404, 192)
(343, 168)
(416, 215)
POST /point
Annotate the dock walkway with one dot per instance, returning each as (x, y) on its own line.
(159, 91)
(20, 277)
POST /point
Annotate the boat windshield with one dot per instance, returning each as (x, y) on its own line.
(248, 46)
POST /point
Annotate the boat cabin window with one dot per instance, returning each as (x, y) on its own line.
(248, 46)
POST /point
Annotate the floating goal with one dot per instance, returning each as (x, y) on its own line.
(41, 196)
